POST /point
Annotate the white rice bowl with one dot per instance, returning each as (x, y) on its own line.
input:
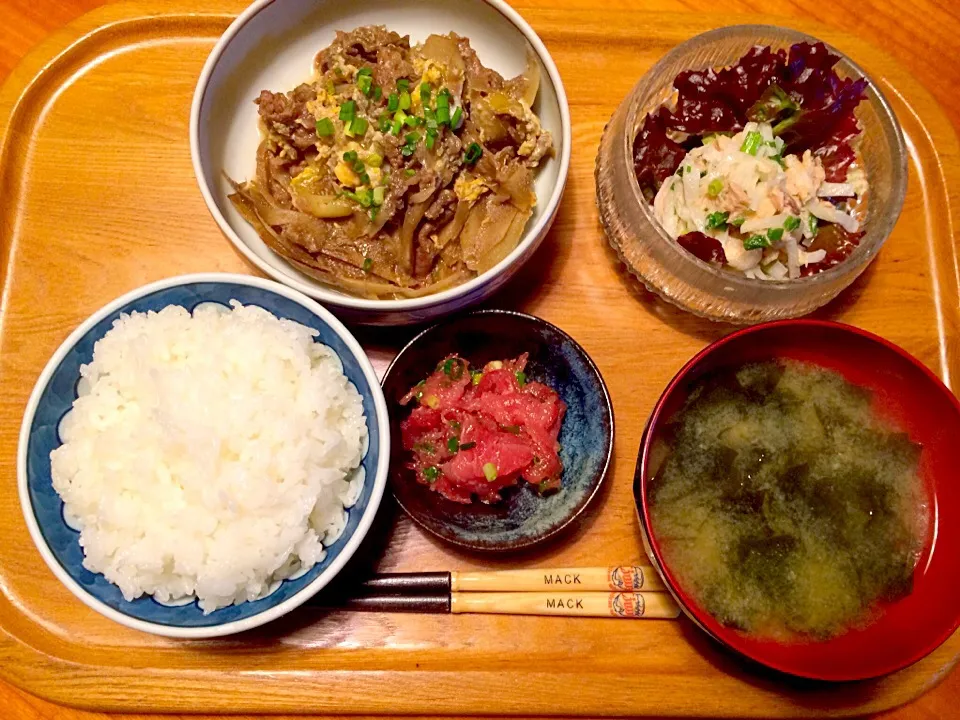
(209, 456)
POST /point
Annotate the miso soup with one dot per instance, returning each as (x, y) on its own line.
(784, 506)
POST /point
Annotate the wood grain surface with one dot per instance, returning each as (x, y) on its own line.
(919, 35)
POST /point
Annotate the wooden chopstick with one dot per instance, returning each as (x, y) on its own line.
(565, 604)
(631, 578)
(633, 591)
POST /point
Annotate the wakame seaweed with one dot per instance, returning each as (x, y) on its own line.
(785, 507)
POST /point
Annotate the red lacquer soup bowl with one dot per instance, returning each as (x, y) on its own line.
(913, 398)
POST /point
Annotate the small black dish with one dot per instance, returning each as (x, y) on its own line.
(524, 517)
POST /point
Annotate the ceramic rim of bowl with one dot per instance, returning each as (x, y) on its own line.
(531, 236)
(269, 614)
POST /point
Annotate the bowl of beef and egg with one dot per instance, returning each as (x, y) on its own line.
(396, 162)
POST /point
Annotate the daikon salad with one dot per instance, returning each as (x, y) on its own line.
(764, 207)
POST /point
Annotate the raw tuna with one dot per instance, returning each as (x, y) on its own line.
(474, 433)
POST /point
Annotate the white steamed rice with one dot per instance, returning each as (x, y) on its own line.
(209, 456)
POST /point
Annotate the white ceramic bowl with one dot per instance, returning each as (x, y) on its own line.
(272, 46)
(55, 392)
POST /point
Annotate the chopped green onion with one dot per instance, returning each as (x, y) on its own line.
(443, 116)
(490, 472)
(350, 156)
(476, 376)
(775, 234)
(347, 110)
(359, 126)
(521, 378)
(453, 444)
(454, 424)
(791, 223)
(410, 143)
(378, 195)
(715, 187)
(717, 220)
(443, 99)
(393, 102)
(409, 173)
(395, 128)
(377, 93)
(365, 179)
(404, 101)
(431, 473)
(384, 123)
(455, 120)
(756, 242)
(411, 121)
(738, 222)
(403, 84)
(751, 143)
(358, 166)
(425, 92)
(367, 264)
(373, 212)
(374, 160)
(338, 71)
(324, 127)
(431, 140)
(364, 71)
(473, 153)
(365, 197)
(468, 446)
(812, 225)
(364, 84)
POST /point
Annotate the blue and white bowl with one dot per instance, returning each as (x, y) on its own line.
(53, 397)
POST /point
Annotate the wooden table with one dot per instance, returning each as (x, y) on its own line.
(920, 36)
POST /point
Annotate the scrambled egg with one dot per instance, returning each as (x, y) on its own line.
(531, 124)
(346, 175)
(469, 188)
(325, 106)
(431, 72)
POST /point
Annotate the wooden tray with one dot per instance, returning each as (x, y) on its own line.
(97, 196)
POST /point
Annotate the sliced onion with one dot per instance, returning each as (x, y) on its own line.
(757, 224)
(424, 193)
(827, 212)
(829, 189)
(793, 256)
(778, 271)
(531, 77)
(411, 219)
(811, 258)
(324, 207)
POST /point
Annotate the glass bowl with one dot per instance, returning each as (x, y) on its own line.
(679, 277)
